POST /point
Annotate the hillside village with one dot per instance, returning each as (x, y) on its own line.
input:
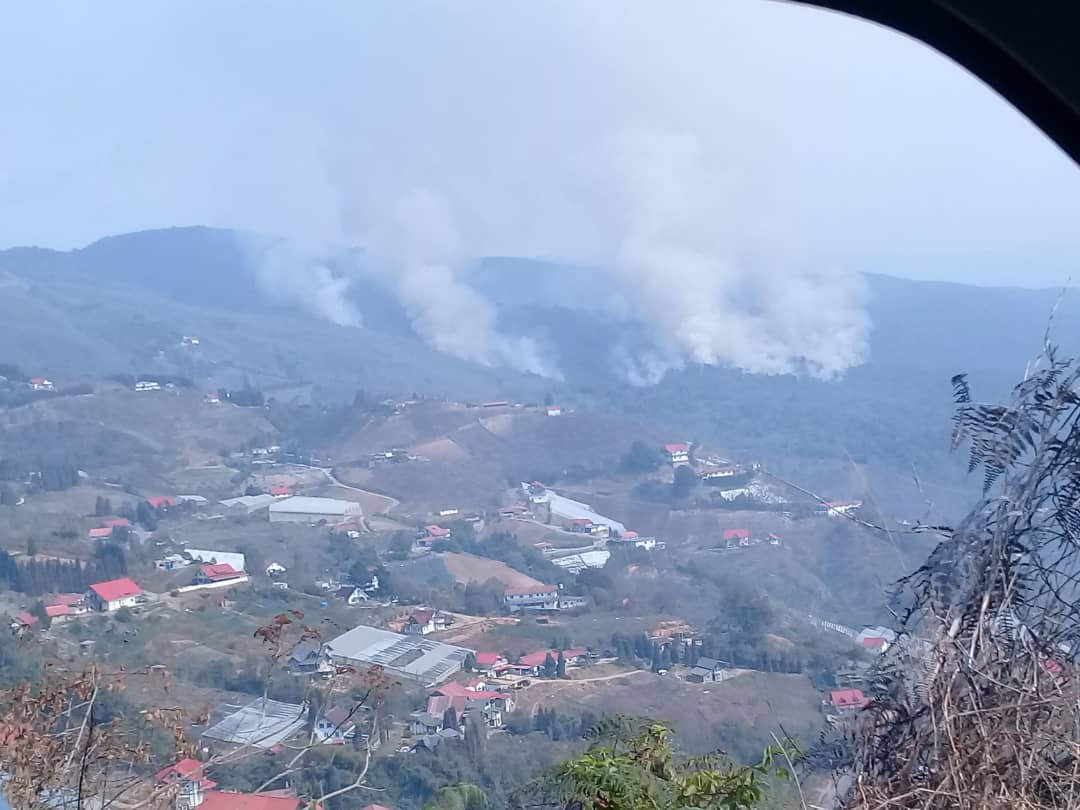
(515, 568)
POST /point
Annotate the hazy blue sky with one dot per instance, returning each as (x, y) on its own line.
(811, 133)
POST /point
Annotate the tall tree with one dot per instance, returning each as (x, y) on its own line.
(550, 667)
(560, 665)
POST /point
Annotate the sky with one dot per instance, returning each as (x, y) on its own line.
(835, 136)
(733, 165)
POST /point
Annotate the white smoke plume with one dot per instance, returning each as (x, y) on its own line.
(718, 279)
(419, 252)
(296, 273)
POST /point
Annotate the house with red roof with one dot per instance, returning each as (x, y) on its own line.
(737, 537)
(848, 699)
(24, 622)
(42, 384)
(536, 597)
(66, 605)
(487, 661)
(581, 525)
(114, 594)
(116, 522)
(678, 453)
(100, 533)
(219, 574)
(433, 534)
(187, 768)
(196, 790)
(161, 501)
(280, 491)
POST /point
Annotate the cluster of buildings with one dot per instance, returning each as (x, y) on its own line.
(731, 539)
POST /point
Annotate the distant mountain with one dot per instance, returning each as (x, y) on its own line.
(122, 303)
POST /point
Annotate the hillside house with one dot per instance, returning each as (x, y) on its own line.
(67, 605)
(536, 492)
(571, 602)
(220, 574)
(719, 474)
(875, 639)
(275, 569)
(23, 623)
(424, 621)
(212, 399)
(336, 726)
(512, 511)
(707, 670)
(186, 769)
(147, 385)
(631, 539)
(486, 662)
(42, 384)
(533, 663)
(554, 410)
(100, 533)
(280, 491)
(539, 597)
(737, 537)
(116, 523)
(195, 790)
(423, 723)
(349, 529)
(161, 501)
(433, 534)
(352, 595)
(581, 526)
(172, 561)
(846, 700)
(837, 508)
(310, 657)
(209, 555)
(114, 594)
(189, 340)
(678, 453)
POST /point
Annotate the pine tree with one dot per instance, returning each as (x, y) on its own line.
(31, 547)
(656, 662)
(550, 667)
(560, 665)
(450, 718)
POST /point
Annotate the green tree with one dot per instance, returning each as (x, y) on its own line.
(38, 609)
(550, 666)
(31, 547)
(470, 662)
(102, 506)
(560, 665)
(629, 767)
(684, 482)
(450, 718)
(146, 516)
(458, 797)
(640, 458)
(400, 546)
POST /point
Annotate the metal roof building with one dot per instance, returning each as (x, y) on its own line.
(303, 509)
(263, 723)
(415, 658)
(249, 503)
(569, 509)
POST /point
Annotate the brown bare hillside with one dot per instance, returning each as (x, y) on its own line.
(470, 568)
(735, 715)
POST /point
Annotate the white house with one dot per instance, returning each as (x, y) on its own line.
(114, 594)
(678, 453)
(147, 385)
(424, 621)
(275, 569)
(540, 597)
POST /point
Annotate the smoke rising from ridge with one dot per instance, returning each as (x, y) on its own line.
(705, 161)
(419, 250)
(295, 273)
(714, 280)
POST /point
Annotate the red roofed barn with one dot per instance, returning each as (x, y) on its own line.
(114, 594)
